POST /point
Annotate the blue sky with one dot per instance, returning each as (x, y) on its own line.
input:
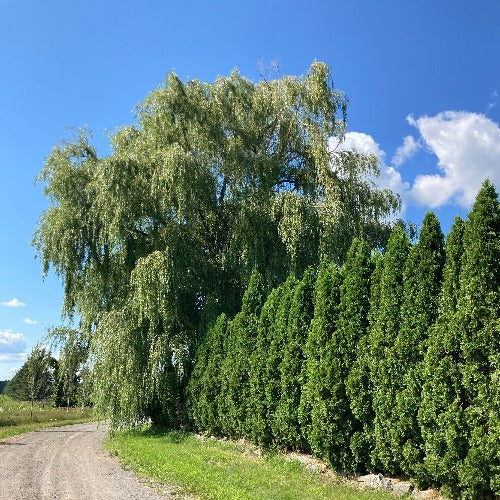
(423, 80)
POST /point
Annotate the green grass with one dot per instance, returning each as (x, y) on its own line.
(215, 469)
(15, 416)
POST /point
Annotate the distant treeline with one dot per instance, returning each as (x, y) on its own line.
(63, 382)
(3, 383)
(390, 363)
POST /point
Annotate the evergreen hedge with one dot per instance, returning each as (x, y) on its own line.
(390, 363)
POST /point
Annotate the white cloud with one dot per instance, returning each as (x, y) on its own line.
(13, 303)
(13, 357)
(12, 352)
(467, 146)
(362, 143)
(30, 321)
(409, 147)
(11, 343)
(365, 144)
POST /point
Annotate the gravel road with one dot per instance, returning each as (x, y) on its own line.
(65, 463)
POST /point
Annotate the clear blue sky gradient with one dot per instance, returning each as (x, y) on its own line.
(70, 64)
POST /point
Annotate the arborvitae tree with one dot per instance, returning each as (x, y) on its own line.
(276, 351)
(17, 387)
(241, 337)
(443, 434)
(422, 284)
(3, 383)
(288, 428)
(203, 389)
(383, 369)
(494, 422)
(316, 405)
(477, 321)
(358, 386)
(342, 350)
(258, 421)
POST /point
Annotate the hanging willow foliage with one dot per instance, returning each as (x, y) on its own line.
(157, 239)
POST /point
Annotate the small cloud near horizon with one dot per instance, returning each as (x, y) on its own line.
(12, 347)
(30, 321)
(13, 303)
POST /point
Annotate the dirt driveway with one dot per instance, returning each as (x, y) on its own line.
(65, 463)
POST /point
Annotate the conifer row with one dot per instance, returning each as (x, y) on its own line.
(388, 364)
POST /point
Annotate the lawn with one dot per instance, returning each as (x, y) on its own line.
(15, 416)
(216, 469)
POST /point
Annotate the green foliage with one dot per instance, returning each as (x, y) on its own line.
(393, 367)
(73, 355)
(478, 324)
(157, 239)
(17, 387)
(422, 284)
(276, 352)
(342, 352)
(316, 404)
(440, 415)
(3, 383)
(258, 422)
(236, 368)
(459, 413)
(35, 379)
(204, 386)
(287, 427)
(216, 180)
(359, 387)
(383, 367)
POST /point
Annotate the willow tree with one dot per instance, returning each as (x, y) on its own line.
(213, 180)
(73, 354)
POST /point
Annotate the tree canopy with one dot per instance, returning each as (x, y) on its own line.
(158, 238)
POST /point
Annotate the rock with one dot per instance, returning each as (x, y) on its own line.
(376, 481)
(386, 484)
(402, 488)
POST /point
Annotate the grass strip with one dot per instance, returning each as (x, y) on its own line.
(15, 416)
(215, 469)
